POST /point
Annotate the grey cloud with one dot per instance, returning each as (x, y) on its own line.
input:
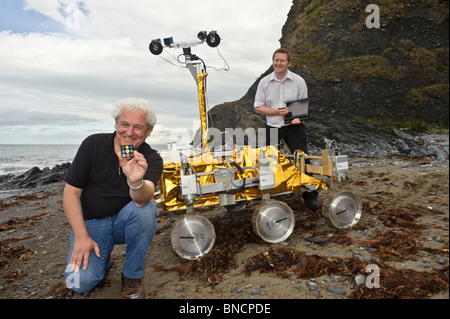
(17, 116)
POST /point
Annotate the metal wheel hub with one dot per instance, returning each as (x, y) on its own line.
(273, 221)
(344, 209)
(193, 236)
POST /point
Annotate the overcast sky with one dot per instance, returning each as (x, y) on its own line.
(64, 63)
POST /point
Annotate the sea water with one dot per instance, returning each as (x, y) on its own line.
(17, 159)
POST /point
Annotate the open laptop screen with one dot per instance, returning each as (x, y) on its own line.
(297, 109)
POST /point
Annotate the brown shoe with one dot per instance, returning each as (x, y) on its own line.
(132, 288)
(72, 294)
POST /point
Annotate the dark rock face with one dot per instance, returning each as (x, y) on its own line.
(34, 177)
(398, 72)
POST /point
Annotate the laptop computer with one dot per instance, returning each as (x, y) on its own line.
(297, 109)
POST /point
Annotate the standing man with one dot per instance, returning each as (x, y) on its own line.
(273, 93)
(107, 201)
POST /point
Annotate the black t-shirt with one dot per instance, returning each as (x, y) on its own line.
(95, 169)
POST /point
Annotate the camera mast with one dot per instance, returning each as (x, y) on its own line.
(197, 68)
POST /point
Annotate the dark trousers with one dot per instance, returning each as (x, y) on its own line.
(294, 135)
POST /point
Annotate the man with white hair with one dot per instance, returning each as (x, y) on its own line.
(107, 201)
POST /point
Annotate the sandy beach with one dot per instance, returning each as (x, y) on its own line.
(402, 236)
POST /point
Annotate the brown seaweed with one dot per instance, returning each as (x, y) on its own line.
(394, 242)
(404, 284)
(274, 260)
(279, 260)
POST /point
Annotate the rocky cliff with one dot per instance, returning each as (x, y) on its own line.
(363, 81)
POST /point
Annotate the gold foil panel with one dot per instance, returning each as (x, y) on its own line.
(287, 176)
(202, 106)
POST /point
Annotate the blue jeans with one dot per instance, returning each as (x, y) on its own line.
(134, 226)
